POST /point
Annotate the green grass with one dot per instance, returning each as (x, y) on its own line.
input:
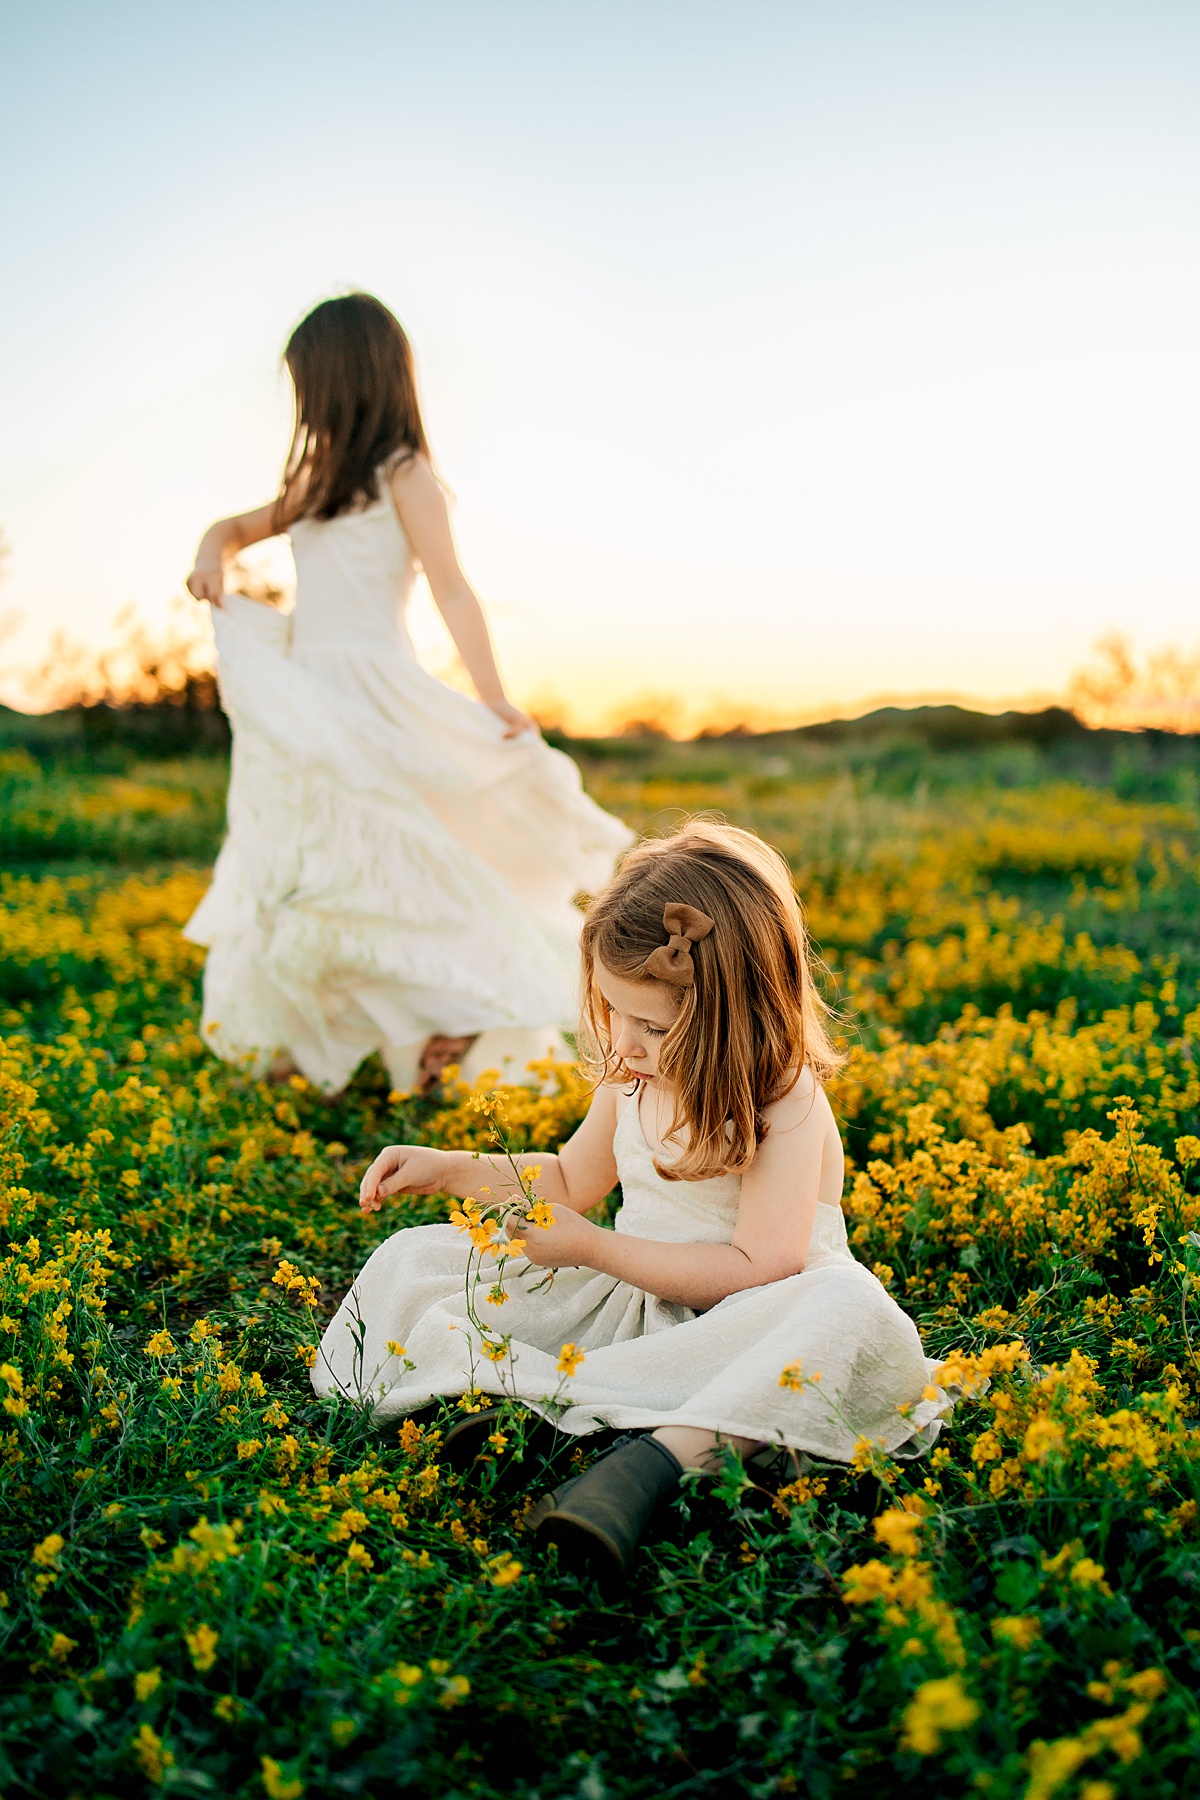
(1011, 931)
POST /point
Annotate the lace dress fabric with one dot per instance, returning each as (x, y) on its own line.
(393, 867)
(648, 1362)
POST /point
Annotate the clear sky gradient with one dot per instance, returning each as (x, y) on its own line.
(780, 355)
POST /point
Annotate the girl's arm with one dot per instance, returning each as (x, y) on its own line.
(799, 1162)
(221, 543)
(579, 1177)
(421, 505)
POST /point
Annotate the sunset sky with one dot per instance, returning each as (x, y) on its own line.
(780, 356)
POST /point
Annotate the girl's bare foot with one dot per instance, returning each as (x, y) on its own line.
(439, 1052)
(281, 1070)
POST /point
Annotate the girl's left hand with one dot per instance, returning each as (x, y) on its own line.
(564, 1243)
(514, 720)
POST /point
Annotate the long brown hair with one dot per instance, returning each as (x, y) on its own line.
(356, 407)
(753, 1017)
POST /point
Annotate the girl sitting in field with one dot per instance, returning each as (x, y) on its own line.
(726, 1308)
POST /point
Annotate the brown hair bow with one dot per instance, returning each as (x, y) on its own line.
(673, 962)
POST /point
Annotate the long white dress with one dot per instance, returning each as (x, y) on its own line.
(648, 1362)
(393, 867)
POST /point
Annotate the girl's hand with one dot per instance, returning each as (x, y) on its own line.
(402, 1169)
(515, 721)
(226, 539)
(564, 1243)
(207, 581)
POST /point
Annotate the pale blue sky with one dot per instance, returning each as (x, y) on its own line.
(790, 354)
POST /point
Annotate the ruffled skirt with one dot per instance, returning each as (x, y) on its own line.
(817, 1361)
(393, 868)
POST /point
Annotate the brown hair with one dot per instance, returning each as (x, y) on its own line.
(752, 1018)
(356, 407)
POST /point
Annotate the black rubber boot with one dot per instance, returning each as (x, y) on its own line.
(466, 1446)
(468, 1439)
(596, 1520)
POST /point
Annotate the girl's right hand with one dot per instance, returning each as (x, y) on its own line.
(207, 581)
(515, 722)
(403, 1169)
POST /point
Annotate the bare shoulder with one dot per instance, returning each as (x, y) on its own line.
(803, 1143)
(411, 477)
(805, 1104)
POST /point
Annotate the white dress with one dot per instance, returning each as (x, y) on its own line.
(648, 1362)
(393, 867)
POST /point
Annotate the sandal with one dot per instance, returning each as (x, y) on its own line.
(596, 1520)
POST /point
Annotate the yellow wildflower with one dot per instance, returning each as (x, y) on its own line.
(153, 1757)
(899, 1530)
(936, 1709)
(454, 1689)
(569, 1359)
(1052, 1765)
(1148, 1684)
(1043, 1438)
(202, 1647)
(1087, 1573)
(279, 1786)
(864, 1582)
(1019, 1631)
(216, 1543)
(504, 1570)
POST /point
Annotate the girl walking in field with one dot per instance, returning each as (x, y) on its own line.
(401, 861)
(726, 1308)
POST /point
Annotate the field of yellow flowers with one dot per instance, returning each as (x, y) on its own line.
(215, 1585)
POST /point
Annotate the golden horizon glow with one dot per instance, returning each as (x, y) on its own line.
(844, 389)
(1116, 685)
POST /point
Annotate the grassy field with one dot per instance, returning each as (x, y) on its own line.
(215, 1585)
